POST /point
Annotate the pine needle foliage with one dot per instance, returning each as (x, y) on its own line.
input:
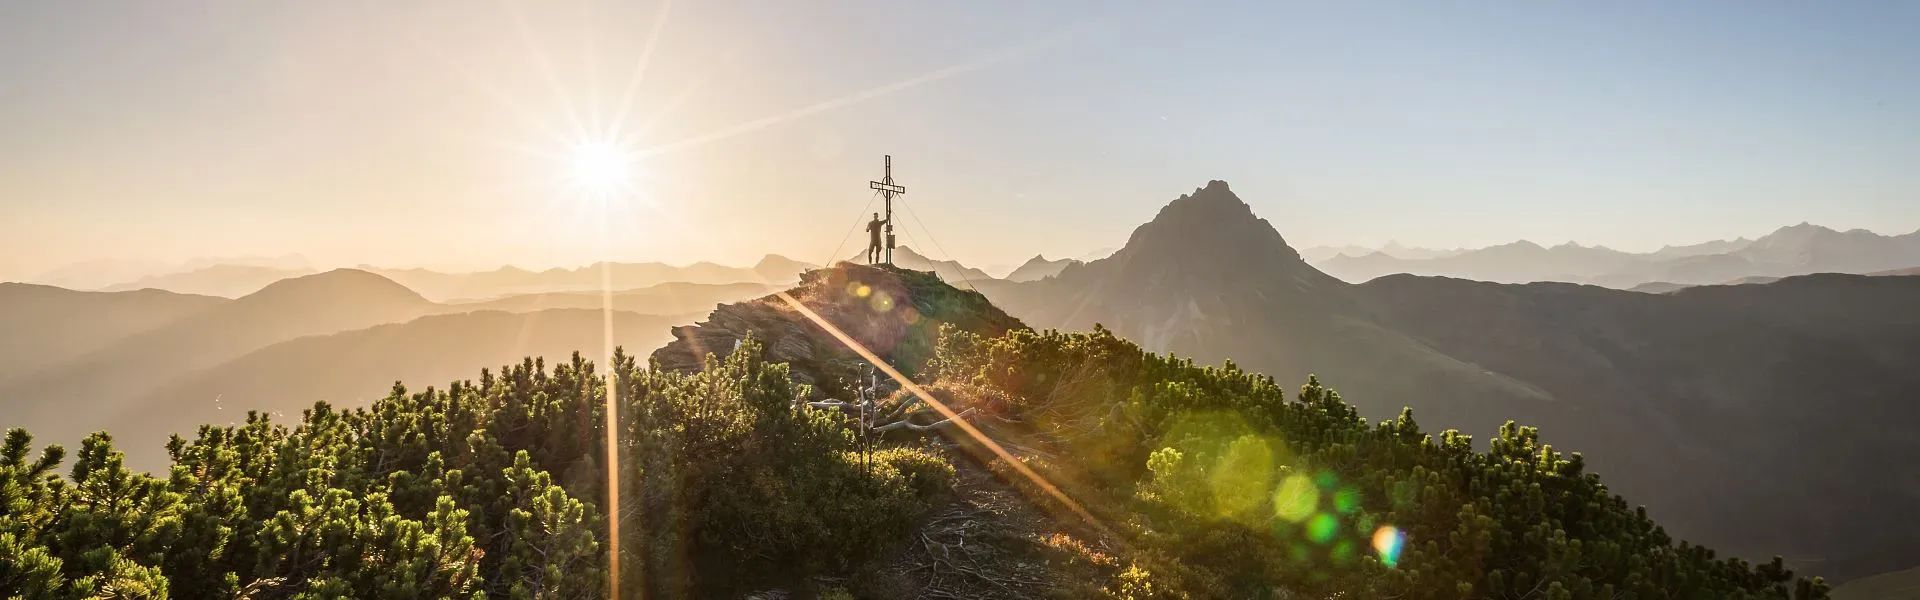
(1228, 486)
(488, 489)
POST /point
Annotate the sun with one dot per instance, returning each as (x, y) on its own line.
(601, 168)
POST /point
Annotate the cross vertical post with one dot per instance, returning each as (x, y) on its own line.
(887, 189)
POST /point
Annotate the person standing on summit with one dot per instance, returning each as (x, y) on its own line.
(874, 247)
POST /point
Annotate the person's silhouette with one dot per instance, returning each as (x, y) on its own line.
(874, 228)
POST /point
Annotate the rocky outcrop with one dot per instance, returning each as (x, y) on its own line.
(897, 313)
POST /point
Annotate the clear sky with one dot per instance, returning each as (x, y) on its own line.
(439, 133)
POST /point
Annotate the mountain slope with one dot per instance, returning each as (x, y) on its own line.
(663, 299)
(111, 352)
(1207, 279)
(354, 368)
(1516, 262)
(1038, 268)
(440, 286)
(1794, 250)
(227, 281)
(44, 325)
(1682, 399)
(948, 270)
(779, 269)
(1702, 248)
(1199, 472)
(107, 379)
(1898, 585)
(1715, 391)
(100, 273)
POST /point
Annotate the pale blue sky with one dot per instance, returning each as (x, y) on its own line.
(358, 132)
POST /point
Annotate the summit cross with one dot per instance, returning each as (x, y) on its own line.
(888, 189)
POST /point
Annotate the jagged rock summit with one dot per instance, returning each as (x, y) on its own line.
(1211, 234)
(1203, 241)
(897, 313)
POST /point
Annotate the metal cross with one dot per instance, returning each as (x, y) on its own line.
(888, 189)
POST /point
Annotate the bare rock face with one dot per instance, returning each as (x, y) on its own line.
(896, 313)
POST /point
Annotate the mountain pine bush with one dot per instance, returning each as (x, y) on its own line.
(494, 489)
(1227, 488)
(1218, 484)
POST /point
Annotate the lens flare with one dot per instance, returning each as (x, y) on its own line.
(1387, 541)
(1322, 528)
(1240, 476)
(1346, 501)
(1296, 499)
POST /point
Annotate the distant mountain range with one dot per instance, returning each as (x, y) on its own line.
(666, 299)
(42, 326)
(1039, 267)
(1315, 254)
(149, 363)
(1662, 287)
(224, 280)
(950, 270)
(246, 276)
(773, 269)
(1755, 418)
(1795, 250)
(1759, 417)
(113, 273)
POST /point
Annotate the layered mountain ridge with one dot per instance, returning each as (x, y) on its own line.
(1792, 250)
(1684, 400)
(1678, 399)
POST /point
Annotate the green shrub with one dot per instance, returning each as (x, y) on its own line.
(454, 492)
(1227, 487)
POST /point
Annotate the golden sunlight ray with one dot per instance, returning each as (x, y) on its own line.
(545, 67)
(944, 411)
(640, 65)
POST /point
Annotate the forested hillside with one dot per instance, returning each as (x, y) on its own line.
(1202, 482)
(1225, 487)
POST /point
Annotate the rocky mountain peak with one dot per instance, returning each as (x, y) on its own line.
(1211, 226)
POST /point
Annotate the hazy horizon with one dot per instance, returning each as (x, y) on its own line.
(438, 135)
(160, 267)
